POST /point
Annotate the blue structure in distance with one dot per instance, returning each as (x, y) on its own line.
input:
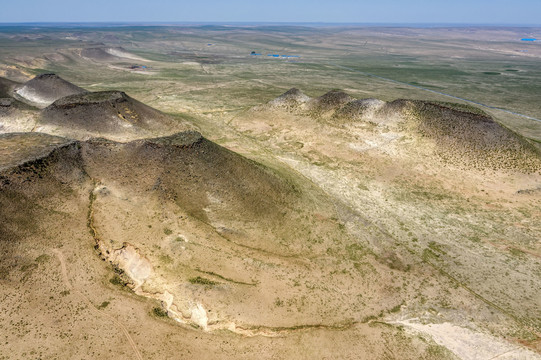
(283, 56)
(528, 39)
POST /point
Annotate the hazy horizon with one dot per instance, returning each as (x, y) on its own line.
(262, 23)
(417, 12)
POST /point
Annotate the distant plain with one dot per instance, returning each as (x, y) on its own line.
(486, 65)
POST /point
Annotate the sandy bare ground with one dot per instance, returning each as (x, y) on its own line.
(124, 54)
(91, 306)
(468, 344)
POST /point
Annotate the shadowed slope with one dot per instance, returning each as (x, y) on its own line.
(231, 208)
(7, 100)
(6, 87)
(33, 168)
(14, 114)
(20, 148)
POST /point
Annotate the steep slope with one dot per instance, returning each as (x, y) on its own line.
(42, 207)
(210, 183)
(111, 114)
(20, 148)
(44, 89)
(238, 205)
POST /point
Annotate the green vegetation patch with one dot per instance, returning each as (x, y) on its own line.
(117, 280)
(516, 252)
(396, 308)
(436, 247)
(103, 305)
(202, 281)
(43, 258)
(356, 252)
(159, 312)
(166, 259)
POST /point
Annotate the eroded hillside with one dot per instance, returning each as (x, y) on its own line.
(200, 234)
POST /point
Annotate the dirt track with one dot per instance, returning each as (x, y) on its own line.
(91, 306)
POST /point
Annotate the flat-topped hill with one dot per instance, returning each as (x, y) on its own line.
(111, 114)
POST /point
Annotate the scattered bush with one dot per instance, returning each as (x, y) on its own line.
(159, 312)
(202, 281)
(103, 305)
(117, 280)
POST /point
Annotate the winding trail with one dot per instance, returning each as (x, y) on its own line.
(91, 306)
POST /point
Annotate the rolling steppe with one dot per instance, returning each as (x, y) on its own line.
(164, 194)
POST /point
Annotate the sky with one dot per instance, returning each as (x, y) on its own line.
(516, 12)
